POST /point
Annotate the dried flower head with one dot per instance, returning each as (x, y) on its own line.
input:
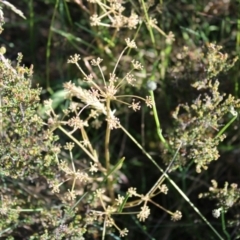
(130, 43)
(176, 216)
(74, 59)
(144, 213)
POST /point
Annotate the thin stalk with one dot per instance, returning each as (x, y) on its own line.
(107, 153)
(107, 138)
(1, 117)
(152, 190)
(104, 228)
(159, 130)
(74, 170)
(235, 114)
(148, 25)
(71, 157)
(135, 36)
(31, 27)
(117, 166)
(48, 51)
(123, 203)
(237, 49)
(27, 210)
(224, 225)
(68, 13)
(79, 144)
(115, 67)
(103, 78)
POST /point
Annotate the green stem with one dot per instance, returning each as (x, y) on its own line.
(107, 138)
(107, 154)
(148, 25)
(224, 225)
(48, 51)
(31, 27)
(227, 125)
(237, 49)
(159, 130)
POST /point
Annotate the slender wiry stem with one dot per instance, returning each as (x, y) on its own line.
(152, 190)
(119, 59)
(1, 118)
(48, 51)
(107, 154)
(107, 138)
(159, 130)
(147, 20)
(79, 144)
(224, 225)
(235, 114)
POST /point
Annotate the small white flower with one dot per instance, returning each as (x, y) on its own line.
(119, 200)
(130, 43)
(124, 232)
(216, 212)
(93, 167)
(144, 213)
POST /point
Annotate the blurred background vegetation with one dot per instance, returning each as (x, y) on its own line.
(55, 29)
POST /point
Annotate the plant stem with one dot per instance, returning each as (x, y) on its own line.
(48, 51)
(79, 144)
(107, 154)
(148, 24)
(224, 225)
(159, 130)
(235, 114)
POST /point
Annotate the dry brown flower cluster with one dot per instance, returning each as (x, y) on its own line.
(98, 99)
(200, 123)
